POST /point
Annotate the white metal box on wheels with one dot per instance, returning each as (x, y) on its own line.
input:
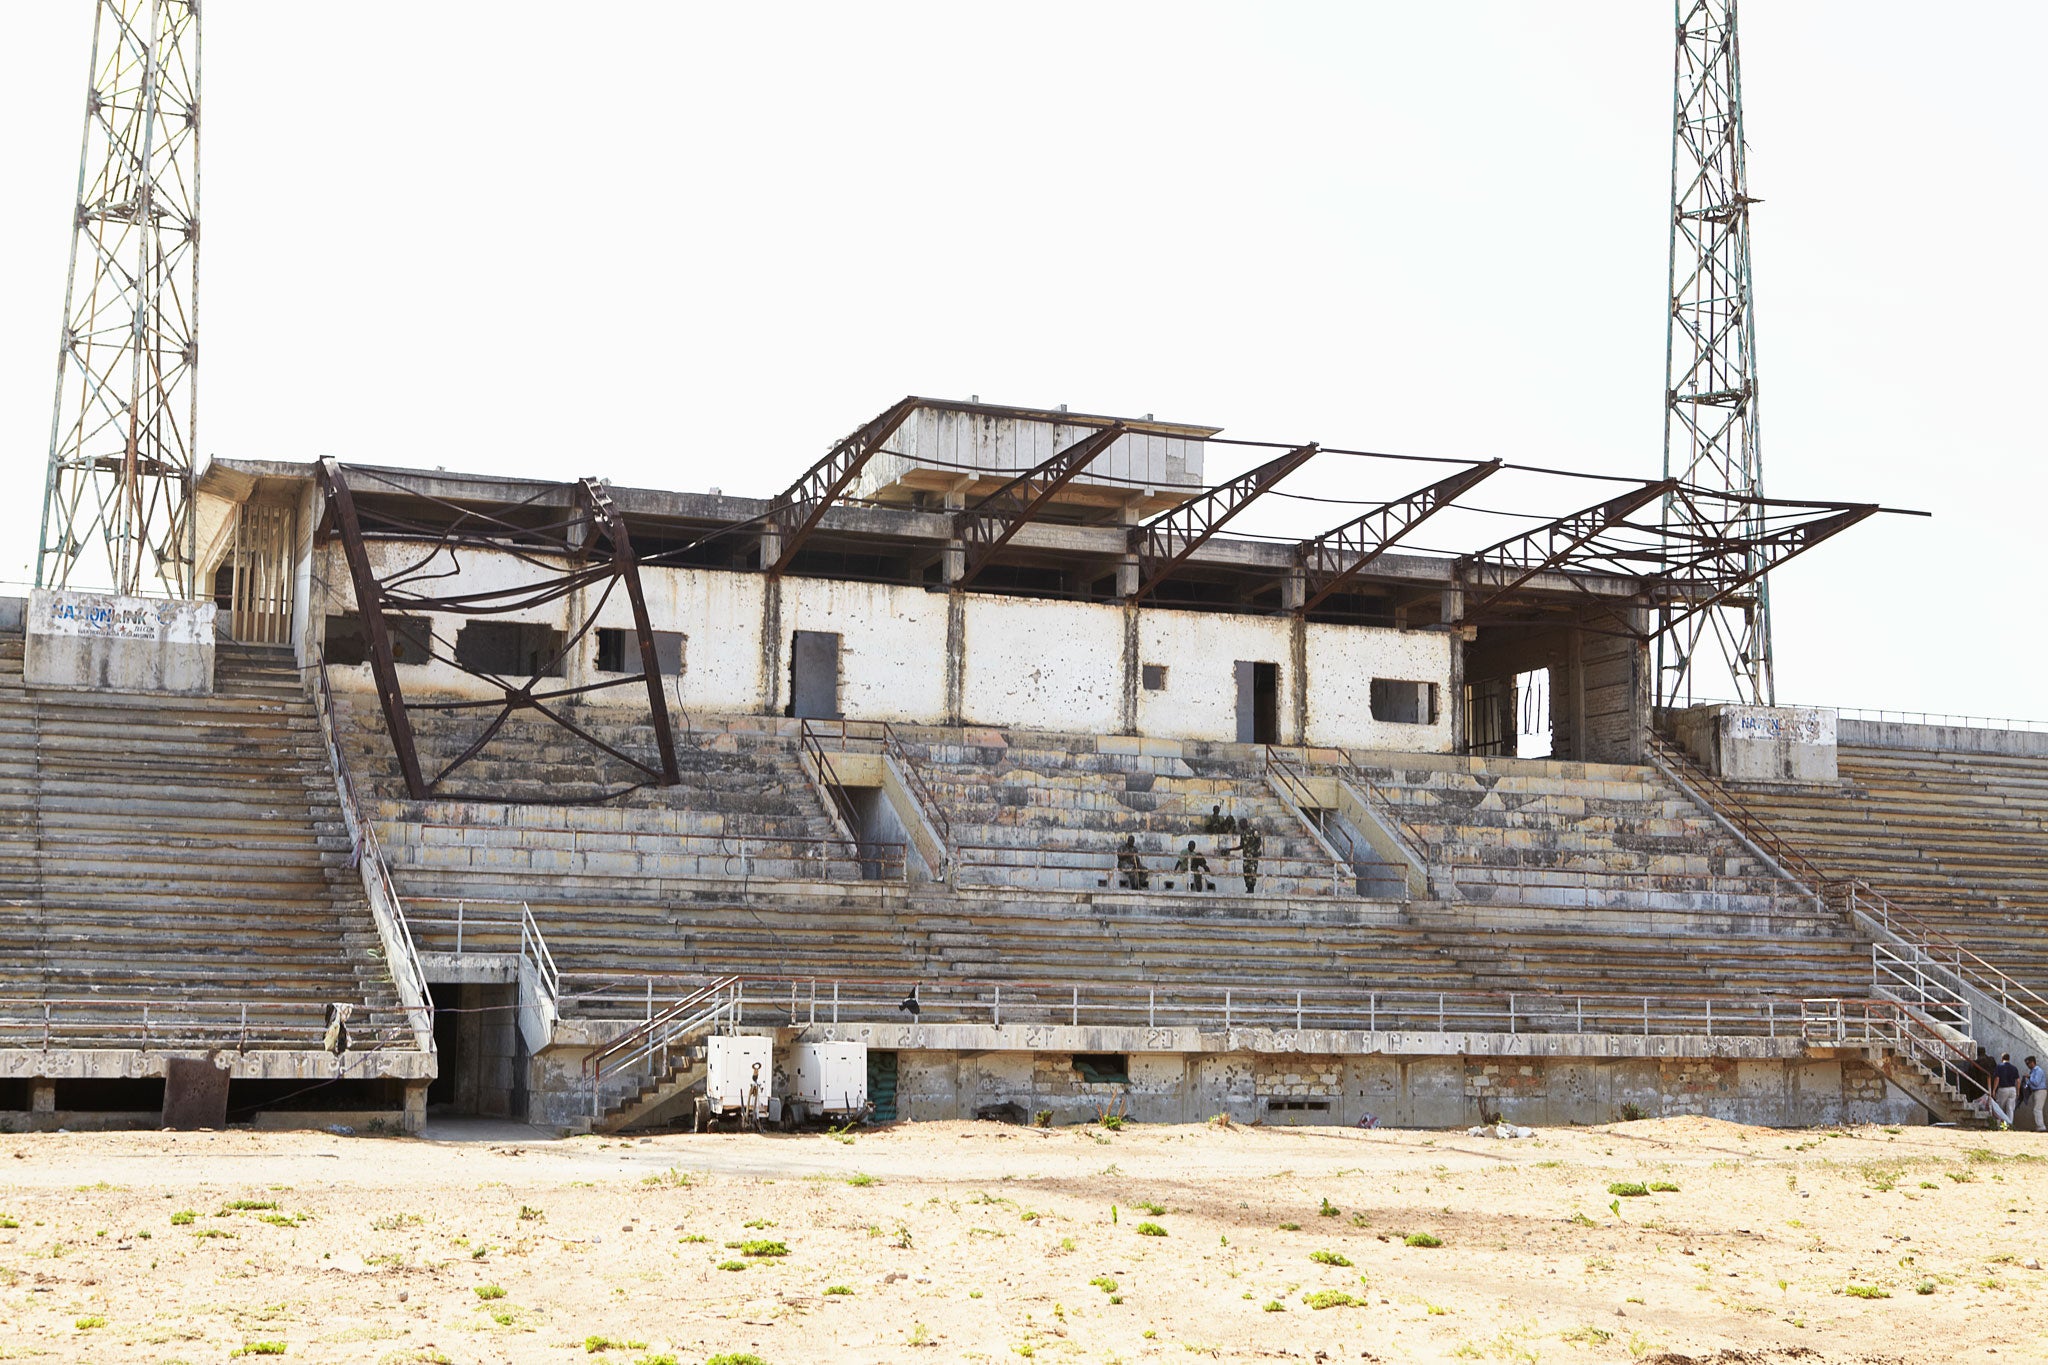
(831, 1082)
(739, 1080)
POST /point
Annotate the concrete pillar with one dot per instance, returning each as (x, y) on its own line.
(1132, 671)
(42, 1096)
(771, 643)
(415, 1116)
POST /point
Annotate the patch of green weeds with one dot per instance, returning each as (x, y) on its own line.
(490, 1291)
(1152, 1208)
(392, 1222)
(1330, 1298)
(732, 1265)
(87, 1324)
(671, 1179)
(1421, 1239)
(1663, 1187)
(763, 1248)
(259, 1348)
(1104, 1283)
(1151, 1230)
(249, 1206)
(1328, 1210)
(182, 1217)
(1867, 1291)
(1290, 1227)
(595, 1343)
(530, 1214)
(861, 1180)
(1329, 1258)
(838, 1290)
(1272, 1306)
(1628, 1189)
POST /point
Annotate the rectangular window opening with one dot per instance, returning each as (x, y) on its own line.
(1399, 701)
(618, 651)
(1154, 677)
(411, 639)
(1103, 1068)
(1299, 1106)
(510, 649)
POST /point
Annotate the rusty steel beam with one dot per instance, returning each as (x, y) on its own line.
(370, 603)
(1729, 565)
(627, 567)
(988, 525)
(1339, 555)
(1554, 544)
(798, 509)
(1164, 543)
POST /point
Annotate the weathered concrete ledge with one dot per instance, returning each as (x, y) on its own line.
(112, 1064)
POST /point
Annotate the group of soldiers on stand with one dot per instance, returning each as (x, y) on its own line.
(1193, 863)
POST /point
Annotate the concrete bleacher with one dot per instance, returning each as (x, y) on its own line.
(522, 814)
(180, 853)
(1050, 811)
(1958, 840)
(1536, 834)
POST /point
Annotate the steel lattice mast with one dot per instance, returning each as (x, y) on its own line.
(117, 503)
(1710, 401)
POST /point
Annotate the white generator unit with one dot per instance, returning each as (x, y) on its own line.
(739, 1080)
(831, 1082)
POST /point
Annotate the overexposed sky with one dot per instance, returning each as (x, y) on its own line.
(690, 245)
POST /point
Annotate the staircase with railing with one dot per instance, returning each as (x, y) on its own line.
(649, 1066)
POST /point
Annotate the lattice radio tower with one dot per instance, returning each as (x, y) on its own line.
(1710, 399)
(117, 502)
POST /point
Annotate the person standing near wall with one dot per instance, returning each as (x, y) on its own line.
(2036, 1082)
(1250, 847)
(2005, 1091)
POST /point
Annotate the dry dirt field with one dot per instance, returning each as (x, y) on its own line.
(962, 1241)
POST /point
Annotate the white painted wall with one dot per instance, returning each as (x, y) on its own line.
(892, 648)
(1041, 665)
(1200, 650)
(1029, 663)
(1343, 661)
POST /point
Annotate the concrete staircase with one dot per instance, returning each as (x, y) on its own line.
(1546, 836)
(180, 853)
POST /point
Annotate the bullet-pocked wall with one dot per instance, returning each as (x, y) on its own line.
(1026, 663)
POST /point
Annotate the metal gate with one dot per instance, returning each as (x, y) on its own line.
(260, 565)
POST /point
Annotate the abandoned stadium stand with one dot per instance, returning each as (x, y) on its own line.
(860, 761)
(187, 889)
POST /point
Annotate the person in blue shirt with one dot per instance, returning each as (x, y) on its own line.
(2035, 1094)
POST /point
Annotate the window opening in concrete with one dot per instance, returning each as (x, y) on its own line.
(1258, 702)
(1103, 1068)
(618, 651)
(411, 639)
(1490, 717)
(1298, 1106)
(510, 648)
(814, 675)
(1154, 677)
(1532, 735)
(1399, 701)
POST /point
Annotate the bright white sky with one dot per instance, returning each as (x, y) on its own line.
(692, 245)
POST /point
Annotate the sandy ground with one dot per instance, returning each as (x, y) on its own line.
(960, 1241)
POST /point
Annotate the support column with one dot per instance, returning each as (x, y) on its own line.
(952, 569)
(1132, 670)
(415, 1116)
(771, 646)
(1294, 592)
(1452, 613)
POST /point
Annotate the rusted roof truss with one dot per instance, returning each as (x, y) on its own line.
(988, 525)
(798, 509)
(570, 523)
(1164, 543)
(1337, 556)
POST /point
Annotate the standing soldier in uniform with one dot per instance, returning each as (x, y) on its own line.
(1251, 845)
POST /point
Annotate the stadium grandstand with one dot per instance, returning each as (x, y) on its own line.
(989, 746)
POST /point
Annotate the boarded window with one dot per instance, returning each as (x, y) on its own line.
(411, 639)
(510, 649)
(1155, 677)
(814, 674)
(618, 651)
(1401, 702)
(1103, 1068)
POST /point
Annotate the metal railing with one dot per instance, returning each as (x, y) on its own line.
(882, 735)
(367, 855)
(1355, 773)
(708, 1006)
(778, 1001)
(104, 1021)
(1689, 776)
(1866, 713)
(1291, 784)
(490, 926)
(1896, 1026)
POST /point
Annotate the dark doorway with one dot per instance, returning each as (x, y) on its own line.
(447, 1043)
(814, 675)
(882, 1086)
(1258, 702)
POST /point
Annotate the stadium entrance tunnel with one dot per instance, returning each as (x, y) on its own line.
(482, 1057)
